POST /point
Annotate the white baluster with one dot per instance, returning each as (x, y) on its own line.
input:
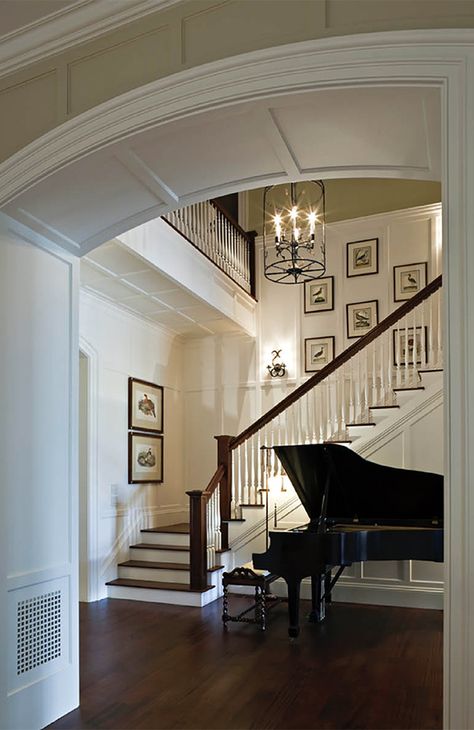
(218, 541)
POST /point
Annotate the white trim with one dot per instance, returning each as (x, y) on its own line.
(92, 469)
(79, 23)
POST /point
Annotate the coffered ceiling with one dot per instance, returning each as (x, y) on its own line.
(118, 276)
(344, 132)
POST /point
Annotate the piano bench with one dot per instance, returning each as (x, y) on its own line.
(260, 580)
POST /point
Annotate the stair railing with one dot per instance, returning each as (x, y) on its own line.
(214, 232)
(365, 375)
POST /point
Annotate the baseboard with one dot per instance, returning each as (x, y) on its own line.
(376, 595)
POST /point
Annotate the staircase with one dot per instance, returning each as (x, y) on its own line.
(353, 400)
(158, 570)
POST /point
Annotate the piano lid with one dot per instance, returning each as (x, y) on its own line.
(358, 488)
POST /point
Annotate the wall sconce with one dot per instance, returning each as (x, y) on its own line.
(277, 369)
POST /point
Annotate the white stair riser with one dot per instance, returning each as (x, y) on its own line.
(380, 414)
(355, 432)
(159, 574)
(433, 378)
(150, 595)
(403, 396)
(160, 556)
(165, 538)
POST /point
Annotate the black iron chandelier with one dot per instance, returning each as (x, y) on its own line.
(294, 237)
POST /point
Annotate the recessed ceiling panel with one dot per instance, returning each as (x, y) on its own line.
(85, 197)
(115, 259)
(177, 299)
(113, 289)
(209, 150)
(150, 281)
(343, 128)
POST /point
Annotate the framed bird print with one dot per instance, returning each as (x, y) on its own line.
(319, 295)
(145, 458)
(361, 317)
(362, 257)
(145, 406)
(318, 352)
(408, 280)
(410, 346)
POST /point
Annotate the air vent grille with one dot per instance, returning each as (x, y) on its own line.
(38, 631)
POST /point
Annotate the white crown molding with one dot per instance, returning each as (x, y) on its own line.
(78, 23)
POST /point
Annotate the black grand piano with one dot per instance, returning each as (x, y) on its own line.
(358, 511)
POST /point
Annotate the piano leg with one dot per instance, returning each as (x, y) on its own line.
(318, 607)
(327, 586)
(293, 607)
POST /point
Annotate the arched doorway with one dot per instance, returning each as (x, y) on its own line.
(393, 61)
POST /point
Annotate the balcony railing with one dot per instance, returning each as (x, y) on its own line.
(213, 232)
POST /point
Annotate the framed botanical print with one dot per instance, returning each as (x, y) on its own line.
(361, 317)
(145, 458)
(319, 295)
(318, 352)
(408, 280)
(145, 406)
(362, 257)
(409, 346)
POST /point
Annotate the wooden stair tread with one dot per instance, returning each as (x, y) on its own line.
(181, 528)
(152, 564)
(350, 425)
(374, 408)
(338, 441)
(163, 566)
(252, 505)
(411, 387)
(431, 370)
(152, 546)
(156, 585)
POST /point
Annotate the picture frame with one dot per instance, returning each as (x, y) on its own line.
(417, 338)
(318, 352)
(362, 257)
(319, 295)
(145, 406)
(408, 280)
(361, 317)
(145, 458)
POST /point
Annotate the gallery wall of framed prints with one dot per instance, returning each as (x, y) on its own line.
(374, 264)
(145, 429)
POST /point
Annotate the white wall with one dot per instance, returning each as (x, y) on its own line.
(38, 480)
(234, 386)
(121, 345)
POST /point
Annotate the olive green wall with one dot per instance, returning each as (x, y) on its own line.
(354, 198)
(43, 95)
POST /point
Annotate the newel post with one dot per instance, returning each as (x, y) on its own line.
(224, 458)
(198, 539)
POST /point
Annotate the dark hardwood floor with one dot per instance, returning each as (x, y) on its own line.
(153, 666)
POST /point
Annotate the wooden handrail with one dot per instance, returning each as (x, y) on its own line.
(215, 481)
(352, 350)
